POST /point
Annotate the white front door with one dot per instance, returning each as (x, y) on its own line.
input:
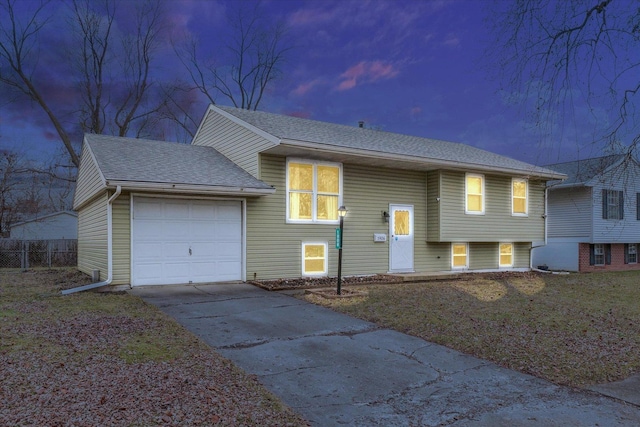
(401, 242)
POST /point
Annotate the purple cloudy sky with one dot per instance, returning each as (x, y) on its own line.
(413, 67)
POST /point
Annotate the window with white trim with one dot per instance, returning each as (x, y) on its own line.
(314, 258)
(506, 255)
(519, 197)
(459, 258)
(314, 191)
(474, 194)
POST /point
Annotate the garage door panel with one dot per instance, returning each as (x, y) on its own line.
(147, 209)
(163, 231)
(228, 211)
(175, 210)
(175, 250)
(228, 231)
(203, 211)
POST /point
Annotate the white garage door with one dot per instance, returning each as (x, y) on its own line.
(185, 241)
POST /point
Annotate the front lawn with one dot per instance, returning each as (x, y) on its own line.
(111, 359)
(577, 329)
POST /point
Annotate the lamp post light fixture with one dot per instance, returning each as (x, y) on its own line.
(342, 212)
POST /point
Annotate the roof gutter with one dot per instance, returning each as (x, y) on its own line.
(107, 282)
(166, 187)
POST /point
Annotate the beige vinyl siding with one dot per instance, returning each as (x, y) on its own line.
(274, 247)
(497, 223)
(521, 254)
(237, 143)
(89, 181)
(121, 223)
(483, 256)
(433, 206)
(92, 237)
(438, 257)
(570, 212)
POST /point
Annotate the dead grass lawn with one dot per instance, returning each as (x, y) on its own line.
(578, 329)
(111, 359)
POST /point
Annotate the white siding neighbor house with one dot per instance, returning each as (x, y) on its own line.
(256, 196)
(593, 216)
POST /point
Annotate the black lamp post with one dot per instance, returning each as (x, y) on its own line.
(342, 212)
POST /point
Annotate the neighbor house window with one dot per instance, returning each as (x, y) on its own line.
(519, 194)
(598, 254)
(459, 255)
(313, 191)
(314, 259)
(474, 193)
(506, 254)
(638, 206)
(631, 253)
(612, 204)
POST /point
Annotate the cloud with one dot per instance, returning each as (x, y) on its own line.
(303, 88)
(366, 72)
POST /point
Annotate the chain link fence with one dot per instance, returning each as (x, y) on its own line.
(26, 254)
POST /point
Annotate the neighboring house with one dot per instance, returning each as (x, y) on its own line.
(256, 196)
(58, 225)
(593, 216)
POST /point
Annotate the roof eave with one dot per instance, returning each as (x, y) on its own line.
(213, 190)
(418, 160)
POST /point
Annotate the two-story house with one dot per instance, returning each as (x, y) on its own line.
(593, 216)
(256, 196)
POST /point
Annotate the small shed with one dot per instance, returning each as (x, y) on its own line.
(58, 225)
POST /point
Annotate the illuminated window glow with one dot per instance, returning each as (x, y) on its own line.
(519, 196)
(474, 194)
(459, 255)
(506, 255)
(313, 191)
(314, 259)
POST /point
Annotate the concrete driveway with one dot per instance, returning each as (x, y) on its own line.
(336, 370)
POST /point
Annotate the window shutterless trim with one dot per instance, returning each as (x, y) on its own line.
(466, 194)
(325, 260)
(526, 197)
(314, 192)
(466, 256)
(500, 255)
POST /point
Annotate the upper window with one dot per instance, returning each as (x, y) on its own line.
(313, 191)
(474, 193)
(519, 197)
(506, 254)
(612, 204)
(459, 257)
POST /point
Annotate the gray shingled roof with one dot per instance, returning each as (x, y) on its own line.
(353, 137)
(580, 172)
(143, 160)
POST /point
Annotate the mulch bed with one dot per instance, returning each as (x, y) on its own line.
(323, 282)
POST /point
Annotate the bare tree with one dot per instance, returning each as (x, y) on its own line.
(10, 170)
(572, 58)
(253, 56)
(113, 69)
(19, 55)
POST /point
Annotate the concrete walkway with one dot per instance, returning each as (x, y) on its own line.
(336, 370)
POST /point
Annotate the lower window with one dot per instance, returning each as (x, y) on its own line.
(598, 254)
(314, 259)
(506, 255)
(632, 253)
(459, 256)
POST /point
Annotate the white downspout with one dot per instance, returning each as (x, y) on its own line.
(545, 216)
(109, 250)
